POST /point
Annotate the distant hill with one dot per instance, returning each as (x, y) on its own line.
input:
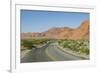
(61, 33)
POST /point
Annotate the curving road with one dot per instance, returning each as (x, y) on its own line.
(54, 52)
(36, 55)
(49, 52)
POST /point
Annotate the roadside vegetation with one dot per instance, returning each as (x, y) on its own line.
(79, 46)
(33, 43)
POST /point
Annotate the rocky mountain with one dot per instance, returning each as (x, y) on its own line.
(82, 31)
(62, 32)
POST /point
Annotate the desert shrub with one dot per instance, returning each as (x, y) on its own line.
(33, 43)
(84, 50)
(39, 41)
(27, 44)
(81, 46)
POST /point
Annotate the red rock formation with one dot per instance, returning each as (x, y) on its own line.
(62, 32)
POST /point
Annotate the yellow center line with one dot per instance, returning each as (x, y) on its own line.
(51, 57)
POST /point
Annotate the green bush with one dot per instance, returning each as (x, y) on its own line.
(27, 44)
(33, 43)
(81, 46)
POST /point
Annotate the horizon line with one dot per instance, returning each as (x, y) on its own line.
(57, 27)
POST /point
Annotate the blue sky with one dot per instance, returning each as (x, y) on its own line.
(39, 21)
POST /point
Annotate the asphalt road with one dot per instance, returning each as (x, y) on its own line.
(36, 55)
(49, 52)
(58, 55)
